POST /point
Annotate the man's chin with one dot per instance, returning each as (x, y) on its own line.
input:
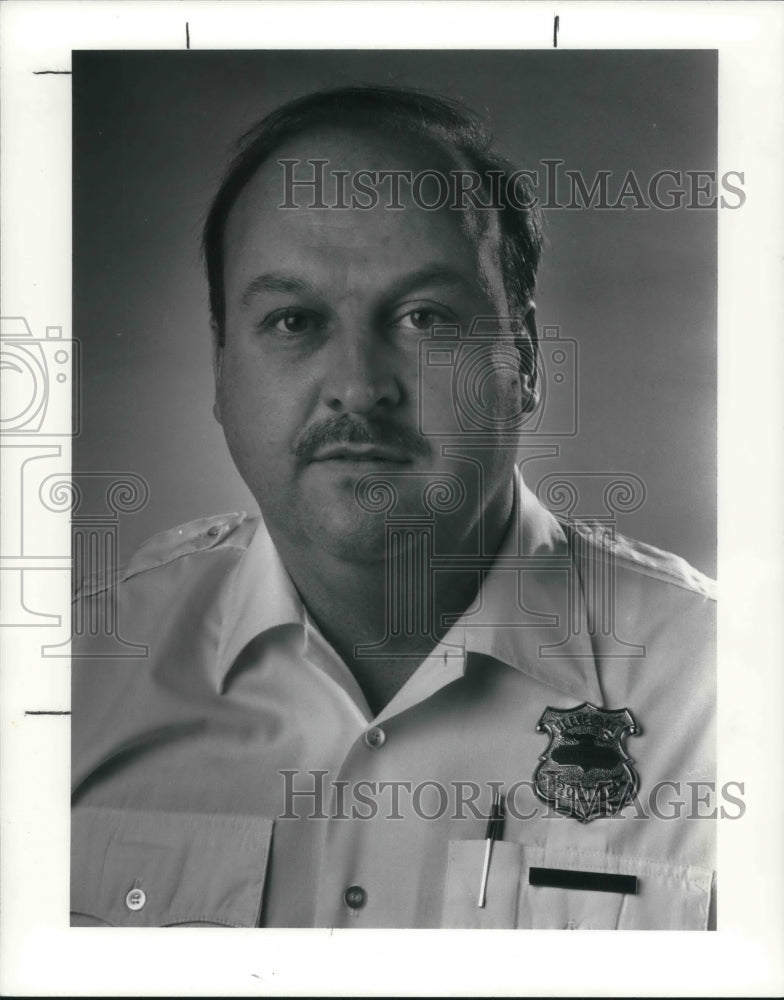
(346, 516)
(348, 533)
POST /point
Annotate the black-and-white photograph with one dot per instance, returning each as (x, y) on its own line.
(457, 343)
(389, 414)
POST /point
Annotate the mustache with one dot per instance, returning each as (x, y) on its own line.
(348, 430)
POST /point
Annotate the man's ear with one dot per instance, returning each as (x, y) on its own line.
(217, 366)
(527, 341)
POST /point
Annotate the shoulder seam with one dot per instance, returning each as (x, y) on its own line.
(122, 576)
(702, 586)
(127, 571)
(667, 576)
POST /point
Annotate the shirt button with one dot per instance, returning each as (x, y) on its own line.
(135, 899)
(375, 737)
(355, 897)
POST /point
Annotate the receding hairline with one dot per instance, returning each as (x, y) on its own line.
(430, 154)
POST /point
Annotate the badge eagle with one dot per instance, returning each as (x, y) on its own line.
(586, 772)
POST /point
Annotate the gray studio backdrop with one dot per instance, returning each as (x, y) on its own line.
(636, 288)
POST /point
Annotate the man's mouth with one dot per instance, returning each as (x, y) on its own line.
(361, 453)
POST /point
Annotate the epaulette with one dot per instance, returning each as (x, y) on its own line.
(165, 547)
(648, 559)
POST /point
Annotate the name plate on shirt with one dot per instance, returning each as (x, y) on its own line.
(563, 878)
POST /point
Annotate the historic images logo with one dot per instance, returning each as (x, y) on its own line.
(585, 771)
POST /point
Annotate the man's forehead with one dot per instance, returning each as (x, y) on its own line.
(368, 146)
(371, 144)
(257, 224)
(330, 164)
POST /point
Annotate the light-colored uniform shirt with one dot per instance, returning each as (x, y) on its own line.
(233, 775)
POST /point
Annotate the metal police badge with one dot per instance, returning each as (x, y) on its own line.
(585, 771)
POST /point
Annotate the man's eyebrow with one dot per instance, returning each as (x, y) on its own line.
(272, 283)
(431, 274)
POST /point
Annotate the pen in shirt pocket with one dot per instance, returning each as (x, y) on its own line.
(494, 831)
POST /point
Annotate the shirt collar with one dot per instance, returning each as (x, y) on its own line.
(530, 613)
(261, 596)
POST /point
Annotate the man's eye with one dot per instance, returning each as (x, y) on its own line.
(422, 319)
(293, 321)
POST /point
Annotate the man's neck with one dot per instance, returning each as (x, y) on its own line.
(393, 604)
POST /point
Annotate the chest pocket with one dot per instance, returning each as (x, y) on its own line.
(152, 869)
(669, 897)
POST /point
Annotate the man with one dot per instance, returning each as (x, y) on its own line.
(336, 697)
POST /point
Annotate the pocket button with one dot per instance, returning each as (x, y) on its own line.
(135, 899)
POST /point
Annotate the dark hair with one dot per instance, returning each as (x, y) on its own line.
(445, 123)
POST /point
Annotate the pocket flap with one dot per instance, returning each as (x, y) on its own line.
(153, 869)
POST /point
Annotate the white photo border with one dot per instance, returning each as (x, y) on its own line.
(39, 953)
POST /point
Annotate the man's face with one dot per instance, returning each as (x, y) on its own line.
(319, 381)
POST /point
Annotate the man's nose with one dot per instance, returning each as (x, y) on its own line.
(360, 375)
